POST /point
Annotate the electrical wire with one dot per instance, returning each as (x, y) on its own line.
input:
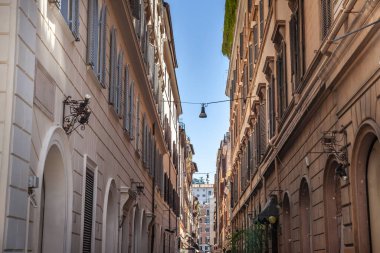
(207, 103)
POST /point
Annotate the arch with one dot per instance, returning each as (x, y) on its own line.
(367, 134)
(136, 236)
(286, 231)
(333, 206)
(56, 194)
(144, 232)
(110, 218)
(305, 216)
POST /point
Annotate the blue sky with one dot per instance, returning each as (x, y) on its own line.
(201, 75)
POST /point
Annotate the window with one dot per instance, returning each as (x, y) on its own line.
(126, 100)
(207, 229)
(118, 86)
(70, 12)
(138, 142)
(112, 99)
(261, 13)
(131, 110)
(88, 211)
(296, 34)
(280, 66)
(326, 17)
(255, 44)
(96, 40)
(250, 56)
(209, 192)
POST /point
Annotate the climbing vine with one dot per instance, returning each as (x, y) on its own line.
(229, 26)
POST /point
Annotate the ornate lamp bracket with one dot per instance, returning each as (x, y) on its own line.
(78, 114)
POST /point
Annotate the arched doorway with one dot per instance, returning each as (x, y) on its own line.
(110, 220)
(305, 223)
(373, 187)
(286, 231)
(53, 203)
(333, 207)
(364, 178)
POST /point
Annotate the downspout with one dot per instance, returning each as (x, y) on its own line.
(342, 18)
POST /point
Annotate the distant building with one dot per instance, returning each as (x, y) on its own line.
(223, 196)
(205, 195)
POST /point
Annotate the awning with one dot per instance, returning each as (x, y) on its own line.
(270, 209)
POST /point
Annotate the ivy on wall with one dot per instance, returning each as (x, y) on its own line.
(229, 26)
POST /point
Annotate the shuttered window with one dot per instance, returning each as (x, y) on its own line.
(102, 47)
(281, 79)
(138, 142)
(250, 56)
(88, 211)
(262, 126)
(326, 17)
(245, 83)
(135, 8)
(131, 111)
(119, 83)
(272, 118)
(92, 34)
(96, 40)
(249, 6)
(255, 44)
(295, 30)
(126, 100)
(70, 12)
(261, 13)
(113, 69)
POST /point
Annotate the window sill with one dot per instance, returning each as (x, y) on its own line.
(94, 77)
(61, 20)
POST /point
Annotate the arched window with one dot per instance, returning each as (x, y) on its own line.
(286, 231)
(305, 216)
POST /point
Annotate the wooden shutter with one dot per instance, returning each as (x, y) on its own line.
(126, 99)
(249, 6)
(74, 23)
(131, 110)
(245, 82)
(113, 68)
(293, 41)
(326, 17)
(250, 56)
(272, 119)
(103, 43)
(263, 135)
(138, 144)
(261, 13)
(255, 43)
(88, 211)
(119, 83)
(92, 33)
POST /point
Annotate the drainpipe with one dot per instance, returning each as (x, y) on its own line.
(153, 204)
(342, 18)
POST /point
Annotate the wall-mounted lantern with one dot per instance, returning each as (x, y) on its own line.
(78, 113)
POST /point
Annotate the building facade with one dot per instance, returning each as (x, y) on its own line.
(186, 224)
(222, 196)
(303, 82)
(110, 185)
(205, 195)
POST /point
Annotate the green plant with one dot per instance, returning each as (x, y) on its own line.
(253, 239)
(229, 26)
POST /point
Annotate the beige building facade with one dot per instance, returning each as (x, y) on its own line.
(304, 85)
(112, 186)
(222, 196)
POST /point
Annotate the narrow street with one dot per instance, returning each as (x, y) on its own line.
(169, 126)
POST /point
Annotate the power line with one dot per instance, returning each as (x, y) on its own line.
(208, 103)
